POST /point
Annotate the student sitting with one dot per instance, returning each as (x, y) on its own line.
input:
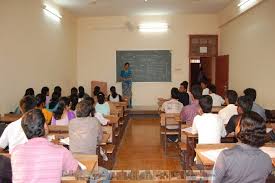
(85, 132)
(13, 133)
(58, 90)
(96, 91)
(52, 106)
(231, 109)
(102, 106)
(217, 99)
(73, 101)
(46, 92)
(41, 100)
(205, 90)
(39, 160)
(97, 115)
(182, 94)
(114, 97)
(63, 114)
(81, 93)
(28, 92)
(209, 126)
(244, 104)
(173, 105)
(245, 162)
(189, 112)
(250, 92)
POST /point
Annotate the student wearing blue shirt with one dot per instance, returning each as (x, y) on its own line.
(126, 77)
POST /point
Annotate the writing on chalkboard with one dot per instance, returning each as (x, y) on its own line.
(146, 65)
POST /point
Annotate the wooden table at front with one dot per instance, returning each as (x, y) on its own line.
(207, 163)
(191, 141)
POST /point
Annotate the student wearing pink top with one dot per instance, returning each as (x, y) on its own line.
(39, 160)
(62, 115)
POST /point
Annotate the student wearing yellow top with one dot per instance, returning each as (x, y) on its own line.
(41, 100)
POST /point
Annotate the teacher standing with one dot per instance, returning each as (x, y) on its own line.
(126, 77)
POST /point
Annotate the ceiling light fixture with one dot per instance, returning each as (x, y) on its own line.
(153, 27)
(52, 12)
(245, 3)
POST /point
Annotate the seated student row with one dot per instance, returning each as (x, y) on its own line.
(26, 135)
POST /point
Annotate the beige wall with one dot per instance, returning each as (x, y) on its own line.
(99, 38)
(34, 50)
(250, 42)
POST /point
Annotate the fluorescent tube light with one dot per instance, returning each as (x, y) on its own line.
(52, 12)
(153, 27)
(246, 3)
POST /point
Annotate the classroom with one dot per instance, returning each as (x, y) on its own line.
(137, 91)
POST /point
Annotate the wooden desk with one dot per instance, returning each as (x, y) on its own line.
(9, 118)
(207, 163)
(105, 138)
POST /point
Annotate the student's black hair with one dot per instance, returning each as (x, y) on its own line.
(232, 96)
(245, 103)
(91, 99)
(84, 109)
(127, 63)
(27, 103)
(96, 90)
(196, 91)
(40, 99)
(212, 88)
(101, 98)
(184, 84)
(62, 103)
(29, 91)
(54, 100)
(45, 90)
(58, 90)
(113, 91)
(33, 124)
(174, 93)
(206, 103)
(81, 91)
(250, 92)
(74, 91)
(204, 81)
(252, 129)
(74, 101)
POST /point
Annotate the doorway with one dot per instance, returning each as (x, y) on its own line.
(215, 69)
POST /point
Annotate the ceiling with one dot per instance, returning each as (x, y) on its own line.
(140, 7)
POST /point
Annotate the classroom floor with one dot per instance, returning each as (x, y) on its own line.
(140, 148)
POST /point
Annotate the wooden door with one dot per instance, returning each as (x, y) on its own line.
(222, 74)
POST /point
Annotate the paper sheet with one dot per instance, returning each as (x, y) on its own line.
(268, 130)
(188, 130)
(51, 137)
(212, 154)
(83, 167)
(269, 150)
(65, 141)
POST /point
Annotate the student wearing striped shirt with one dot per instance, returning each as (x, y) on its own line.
(39, 160)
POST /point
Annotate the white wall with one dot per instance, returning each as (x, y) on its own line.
(99, 38)
(34, 50)
(250, 42)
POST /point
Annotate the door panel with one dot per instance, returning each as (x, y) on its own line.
(222, 74)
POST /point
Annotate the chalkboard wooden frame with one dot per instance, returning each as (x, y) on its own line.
(146, 65)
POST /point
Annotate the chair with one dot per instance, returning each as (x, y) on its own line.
(172, 127)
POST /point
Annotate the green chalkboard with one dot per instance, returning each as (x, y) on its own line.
(146, 65)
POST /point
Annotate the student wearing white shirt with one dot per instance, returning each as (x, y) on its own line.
(205, 90)
(173, 105)
(231, 109)
(13, 134)
(114, 96)
(217, 99)
(209, 126)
